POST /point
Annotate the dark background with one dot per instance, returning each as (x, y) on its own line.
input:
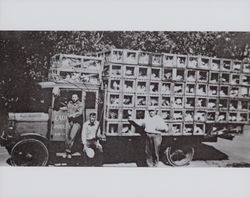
(25, 55)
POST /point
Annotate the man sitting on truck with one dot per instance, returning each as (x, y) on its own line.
(75, 118)
(90, 138)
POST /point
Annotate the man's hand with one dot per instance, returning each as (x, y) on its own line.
(63, 108)
(129, 117)
(98, 145)
(102, 137)
(160, 129)
(71, 116)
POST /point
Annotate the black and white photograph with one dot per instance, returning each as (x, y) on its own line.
(130, 99)
(125, 98)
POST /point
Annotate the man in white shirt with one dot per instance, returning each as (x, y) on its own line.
(90, 138)
(153, 125)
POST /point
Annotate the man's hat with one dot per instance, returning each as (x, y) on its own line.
(92, 113)
(152, 108)
(90, 152)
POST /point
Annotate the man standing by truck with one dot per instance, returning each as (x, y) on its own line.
(75, 119)
(153, 126)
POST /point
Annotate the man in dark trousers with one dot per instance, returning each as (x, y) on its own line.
(153, 126)
(75, 119)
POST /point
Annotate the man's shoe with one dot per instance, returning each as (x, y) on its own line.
(69, 156)
(64, 155)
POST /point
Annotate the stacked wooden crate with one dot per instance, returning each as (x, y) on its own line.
(189, 91)
(76, 69)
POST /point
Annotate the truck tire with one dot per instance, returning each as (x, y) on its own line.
(29, 152)
(179, 156)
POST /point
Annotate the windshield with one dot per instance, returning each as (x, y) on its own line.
(65, 96)
(40, 100)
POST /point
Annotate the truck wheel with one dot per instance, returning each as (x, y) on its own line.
(179, 156)
(29, 152)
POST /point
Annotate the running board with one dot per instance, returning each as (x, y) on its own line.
(227, 136)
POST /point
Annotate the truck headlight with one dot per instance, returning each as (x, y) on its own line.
(11, 128)
(11, 125)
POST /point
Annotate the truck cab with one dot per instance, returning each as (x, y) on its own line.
(33, 137)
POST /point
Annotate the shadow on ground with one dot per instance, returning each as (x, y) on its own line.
(206, 152)
(8, 161)
(239, 165)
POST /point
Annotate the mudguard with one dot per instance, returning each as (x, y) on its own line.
(33, 135)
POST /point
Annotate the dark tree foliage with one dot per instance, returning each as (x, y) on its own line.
(25, 56)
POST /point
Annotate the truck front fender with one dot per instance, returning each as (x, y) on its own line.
(35, 136)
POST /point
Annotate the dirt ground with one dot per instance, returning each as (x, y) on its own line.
(223, 153)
